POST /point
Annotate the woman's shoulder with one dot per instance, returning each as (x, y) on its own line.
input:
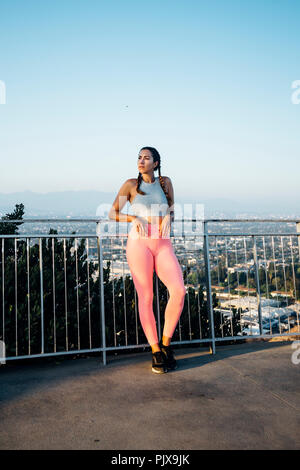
(131, 181)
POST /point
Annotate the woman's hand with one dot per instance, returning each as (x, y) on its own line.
(165, 226)
(141, 226)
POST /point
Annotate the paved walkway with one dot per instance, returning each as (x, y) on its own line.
(244, 397)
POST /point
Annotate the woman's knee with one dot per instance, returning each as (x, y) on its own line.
(178, 290)
(146, 298)
(181, 291)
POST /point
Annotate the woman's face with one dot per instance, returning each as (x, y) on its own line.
(145, 162)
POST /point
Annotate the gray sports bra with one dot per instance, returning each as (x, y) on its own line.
(153, 203)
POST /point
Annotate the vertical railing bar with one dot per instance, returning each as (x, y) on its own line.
(238, 279)
(208, 288)
(298, 240)
(222, 323)
(16, 296)
(188, 294)
(257, 284)
(199, 312)
(298, 237)
(89, 293)
(221, 313)
(28, 296)
(77, 293)
(267, 283)
(293, 268)
(230, 250)
(180, 329)
(285, 285)
(136, 316)
(157, 307)
(42, 295)
(54, 296)
(198, 303)
(189, 313)
(284, 273)
(101, 289)
(275, 272)
(179, 322)
(294, 280)
(219, 287)
(217, 257)
(113, 292)
(3, 292)
(237, 273)
(66, 295)
(124, 294)
(247, 279)
(228, 284)
(251, 314)
(114, 310)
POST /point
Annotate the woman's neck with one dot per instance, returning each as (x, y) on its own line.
(148, 178)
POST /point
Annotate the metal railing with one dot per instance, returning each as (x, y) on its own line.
(73, 293)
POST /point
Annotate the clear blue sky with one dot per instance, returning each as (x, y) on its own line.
(208, 83)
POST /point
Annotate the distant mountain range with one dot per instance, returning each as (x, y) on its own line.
(86, 203)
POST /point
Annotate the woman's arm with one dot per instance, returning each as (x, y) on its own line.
(121, 199)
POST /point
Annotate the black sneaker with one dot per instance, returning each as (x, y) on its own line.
(169, 356)
(158, 363)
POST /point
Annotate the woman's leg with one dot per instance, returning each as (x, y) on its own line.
(169, 272)
(141, 264)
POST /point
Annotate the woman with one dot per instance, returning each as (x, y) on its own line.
(149, 247)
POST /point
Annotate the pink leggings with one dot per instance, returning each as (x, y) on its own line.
(143, 255)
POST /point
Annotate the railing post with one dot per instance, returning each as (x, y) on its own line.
(257, 285)
(3, 293)
(101, 291)
(157, 306)
(208, 288)
(298, 231)
(42, 295)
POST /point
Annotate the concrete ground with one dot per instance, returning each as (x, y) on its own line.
(244, 397)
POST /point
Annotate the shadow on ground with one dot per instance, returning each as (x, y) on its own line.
(243, 397)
